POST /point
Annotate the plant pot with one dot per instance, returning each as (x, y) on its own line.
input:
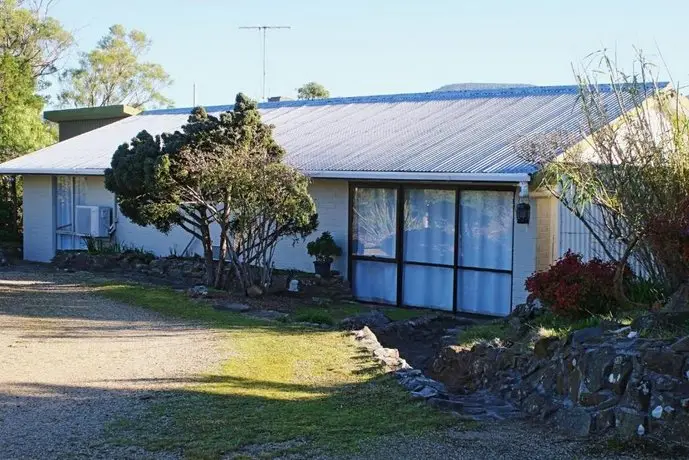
(322, 268)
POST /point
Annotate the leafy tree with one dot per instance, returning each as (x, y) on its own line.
(32, 37)
(114, 73)
(31, 44)
(312, 90)
(629, 182)
(223, 171)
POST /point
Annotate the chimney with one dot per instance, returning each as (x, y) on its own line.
(72, 122)
(279, 99)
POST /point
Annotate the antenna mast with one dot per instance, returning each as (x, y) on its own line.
(262, 30)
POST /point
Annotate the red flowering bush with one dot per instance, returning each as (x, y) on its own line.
(574, 288)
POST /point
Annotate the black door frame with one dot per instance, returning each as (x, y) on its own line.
(400, 189)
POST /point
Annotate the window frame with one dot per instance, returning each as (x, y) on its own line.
(401, 188)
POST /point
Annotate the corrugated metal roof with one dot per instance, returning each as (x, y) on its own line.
(470, 132)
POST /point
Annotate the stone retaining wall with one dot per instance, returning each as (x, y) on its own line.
(188, 272)
(592, 382)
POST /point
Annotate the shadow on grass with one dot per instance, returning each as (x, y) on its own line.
(219, 415)
(280, 383)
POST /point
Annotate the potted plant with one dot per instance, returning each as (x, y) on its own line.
(323, 249)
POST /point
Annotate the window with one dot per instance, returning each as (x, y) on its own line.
(429, 248)
(70, 192)
(455, 251)
(374, 244)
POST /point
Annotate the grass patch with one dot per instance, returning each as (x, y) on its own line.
(550, 325)
(282, 383)
(333, 314)
(483, 332)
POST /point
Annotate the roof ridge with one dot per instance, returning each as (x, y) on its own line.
(519, 91)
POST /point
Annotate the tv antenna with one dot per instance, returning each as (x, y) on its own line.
(262, 30)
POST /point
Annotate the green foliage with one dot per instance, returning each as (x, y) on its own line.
(97, 246)
(483, 332)
(32, 38)
(114, 73)
(225, 170)
(31, 43)
(312, 90)
(314, 315)
(281, 383)
(324, 248)
(628, 182)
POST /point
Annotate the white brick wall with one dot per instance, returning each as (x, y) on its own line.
(39, 218)
(331, 198)
(524, 262)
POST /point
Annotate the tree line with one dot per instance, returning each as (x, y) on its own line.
(33, 50)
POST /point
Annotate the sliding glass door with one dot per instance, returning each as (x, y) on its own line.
(70, 191)
(484, 279)
(374, 244)
(429, 248)
(445, 248)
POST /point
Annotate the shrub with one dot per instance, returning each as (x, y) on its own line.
(576, 289)
(324, 248)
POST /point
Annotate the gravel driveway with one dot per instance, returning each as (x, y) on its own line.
(71, 361)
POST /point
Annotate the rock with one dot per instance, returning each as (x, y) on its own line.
(600, 398)
(542, 347)
(603, 420)
(425, 393)
(622, 367)
(528, 311)
(254, 291)
(586, 334)
(681, 346)
(267, 314)
(679, 301)
(446, 404)
(198, 291)
(663, 362)
(660, 320)
(372, 319)
(238, 307)
(575, 421)
(386, 353)
(629, 422)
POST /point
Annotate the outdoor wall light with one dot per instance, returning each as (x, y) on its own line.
(523, 213)
(523, 209)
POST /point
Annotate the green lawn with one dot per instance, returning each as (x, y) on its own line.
(281, 383)
(333, 314)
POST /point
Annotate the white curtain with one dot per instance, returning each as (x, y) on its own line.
(486, 237)
(374, 222)
(485, 241)
(429, 287)
(429, 237)
(488, 293)
(375, 281)
(429, 226)
(70, 192)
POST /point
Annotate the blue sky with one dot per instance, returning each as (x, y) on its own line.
(362, 47)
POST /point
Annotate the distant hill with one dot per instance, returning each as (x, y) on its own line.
(479, 86)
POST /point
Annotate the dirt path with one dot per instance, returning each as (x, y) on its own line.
(71, 361)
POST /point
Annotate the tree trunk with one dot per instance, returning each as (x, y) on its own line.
(14, 198)
(618, 280)
(208, 255)
(220, 269)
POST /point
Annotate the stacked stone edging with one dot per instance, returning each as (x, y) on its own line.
(590, 383)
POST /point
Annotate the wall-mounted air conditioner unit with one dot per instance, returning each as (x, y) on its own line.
(93, 221)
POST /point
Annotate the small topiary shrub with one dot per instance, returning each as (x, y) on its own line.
(575, 289)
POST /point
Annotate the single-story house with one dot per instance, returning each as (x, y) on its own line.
(420, 190)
